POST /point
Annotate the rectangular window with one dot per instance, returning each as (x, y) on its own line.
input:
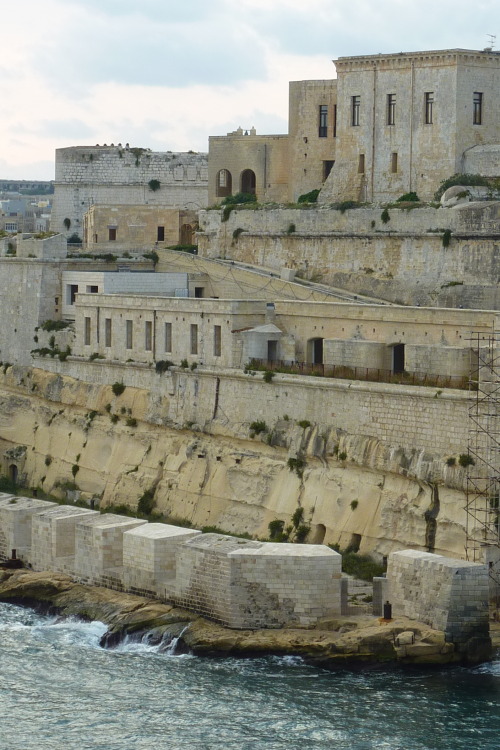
(217, 341)
(429, 101)
(92, 289)
(355, 107)
(394, 162)
(148, 335)
(323, 121)
(107, 332)
(160, 234)
(334, 120)
(361, 164)
(87, 332)
(112, 234)
(477, 102)
(194, 339)
(72, 291)
(391, 109)
(327, 168)
(128, 334)
(168, 337)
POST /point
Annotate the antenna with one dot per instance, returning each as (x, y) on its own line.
(491, 40)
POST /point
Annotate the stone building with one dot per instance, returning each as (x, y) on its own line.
(121, 175)
(388, 125)
(132, 228)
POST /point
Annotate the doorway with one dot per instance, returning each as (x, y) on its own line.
(398, 358)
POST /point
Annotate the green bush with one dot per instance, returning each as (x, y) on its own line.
(154, 185)
(184, 364)
(291, 229)
(361, 566)
(131, 422)
(75, 469)
(233, 200)
(310, 197)
(354, 504)
(276, 530)
(451, 461)
(153, 255)
(258, 427)
(446, 237)
(118, 388)
(268, 376)
(465, 459)
(384, 216)
(460, 179)
(146, 502)
(163, 365)
(408, 198)
(304, 423)
(54, 325)
(297, 465)
(237, 233)
(347, 205)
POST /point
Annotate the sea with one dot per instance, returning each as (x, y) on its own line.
(59, 690)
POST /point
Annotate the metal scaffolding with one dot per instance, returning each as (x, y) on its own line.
(483, 457)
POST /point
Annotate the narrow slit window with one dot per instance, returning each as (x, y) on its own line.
(391, 109)
(217, 341)
(361, 164)
(87, 332)
(194, 339)
(148, 335)
(323, 121)
(477, 102)
(429, 104)
(168, 337)
(107, 332)
(128, 334)
(394, 162)
(355, 107)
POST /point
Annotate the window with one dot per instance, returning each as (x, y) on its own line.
(72, 291)
(361, 164)
(223, 184)
(112, 234)
(194, 339)
(334, 120)
(87, 332)
(327, 168)
(168, 337)
(217, 341)
(148, 336)
(160, 234)
(394, 162)
(391, 109)
(477, 112)
(107, 332)
(128, 334)
(92, 289)
(355, 107)
(323, 121)
(429, 101)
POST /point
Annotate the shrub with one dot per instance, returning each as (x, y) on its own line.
(184, 364)
(74, 239)
(291, 229)
(75, 469)
(297, 465)
(408, 198)
(153, 255)
(131, 422)
(54, 325)
(67, 223)
(258, 427)
(310, 197)
(384, 216)
(115, 418)
(460, 179)
(268, 376)
(342, 456)
(194, 366)
(304, 423)
(154, 185)
(346, 205)
(237, 233)
(361, 566)
(233, 200)
(465, 459)
(146, 502)
(118, 388)
(96, 355)
(301, 533)
(48, 460)
(446, 237)
(451, 461)
(163, 365)
(354, 504)
(276, 530)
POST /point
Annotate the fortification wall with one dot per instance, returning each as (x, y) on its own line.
(449, 595)
(76, 439)
(403, 260)
(93, 175)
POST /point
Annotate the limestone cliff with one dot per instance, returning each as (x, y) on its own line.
(78, 440)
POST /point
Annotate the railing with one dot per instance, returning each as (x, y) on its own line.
(371, 374)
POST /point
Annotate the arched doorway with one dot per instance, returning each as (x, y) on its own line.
(223, 183)
(13, 473)
(248, 181)
(186, 234)
(319, 534)
(315, 351)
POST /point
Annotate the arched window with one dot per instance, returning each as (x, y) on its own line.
(223, 183)
(248, 181)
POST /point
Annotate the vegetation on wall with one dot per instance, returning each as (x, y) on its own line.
(154, 185)
(310, 197)
(463, 179)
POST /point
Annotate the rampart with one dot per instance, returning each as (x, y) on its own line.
(239, 583)
(403, 260)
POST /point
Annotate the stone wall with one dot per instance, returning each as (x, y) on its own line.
(116, 175)
(449, 595)
(16, 516)
(403, 261)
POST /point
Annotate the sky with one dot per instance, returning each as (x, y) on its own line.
(165, 75)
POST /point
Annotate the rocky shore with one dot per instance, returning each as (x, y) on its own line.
(339, 642)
